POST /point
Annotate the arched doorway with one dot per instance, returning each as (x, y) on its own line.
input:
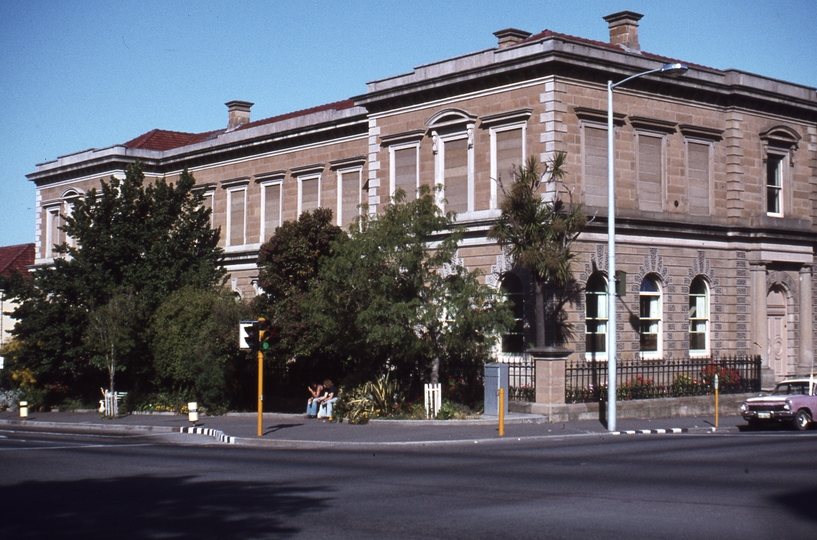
(776, 315)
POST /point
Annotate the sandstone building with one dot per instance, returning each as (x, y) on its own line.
(716, 182)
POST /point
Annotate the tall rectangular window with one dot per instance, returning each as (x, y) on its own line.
(404, 171)
(698, 177)
(774, 185)
(308, 193)
(508, 153)
(237, 216)
(271, 209)
(455, 174)
(698, 317)
(53, 235)
(596, 318)
(350, 196)
(595, 166)
(650, 173)
(650, 318)
(207, 203)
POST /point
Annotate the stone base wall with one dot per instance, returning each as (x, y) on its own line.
(636, 409)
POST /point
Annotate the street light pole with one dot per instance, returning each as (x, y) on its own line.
(672, 70)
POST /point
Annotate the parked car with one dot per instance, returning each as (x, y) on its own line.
(793, 401)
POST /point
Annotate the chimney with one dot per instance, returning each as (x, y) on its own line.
(510, 36)
(624, 29)
(239, 113)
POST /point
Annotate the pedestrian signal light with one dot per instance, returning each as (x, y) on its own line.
(248, 335)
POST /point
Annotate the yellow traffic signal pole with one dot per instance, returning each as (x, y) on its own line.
(260, 383)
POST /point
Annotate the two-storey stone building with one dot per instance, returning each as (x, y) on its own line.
(716, 183)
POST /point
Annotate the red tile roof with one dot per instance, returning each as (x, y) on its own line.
(161, 140)
(16, 258)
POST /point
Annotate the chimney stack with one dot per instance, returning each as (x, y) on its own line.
(510, 36)
(239, 113)
(624, 29)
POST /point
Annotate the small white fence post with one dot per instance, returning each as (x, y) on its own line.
(433, 399)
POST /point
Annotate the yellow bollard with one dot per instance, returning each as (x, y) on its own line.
(24, 409)
(501, 412)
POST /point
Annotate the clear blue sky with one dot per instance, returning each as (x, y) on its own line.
(90, 74)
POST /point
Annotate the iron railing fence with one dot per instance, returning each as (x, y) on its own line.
(521, 377)
(586, 382)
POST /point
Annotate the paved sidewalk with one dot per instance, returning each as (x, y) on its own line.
(295, 429)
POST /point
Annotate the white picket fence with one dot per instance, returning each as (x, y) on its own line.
(433, 399)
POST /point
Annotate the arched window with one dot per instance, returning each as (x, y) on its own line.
(514, 340)
(698, 317)
(595, 302)
(650, 318)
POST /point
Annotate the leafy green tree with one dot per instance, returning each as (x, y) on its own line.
(288, 269)
(395, 299)
(149, 240)
(539, 231)
(111, 336)
(193, 336)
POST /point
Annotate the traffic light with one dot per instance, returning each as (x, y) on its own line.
(248, 335)
(269, 334)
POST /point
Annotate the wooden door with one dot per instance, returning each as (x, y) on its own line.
(777, 352)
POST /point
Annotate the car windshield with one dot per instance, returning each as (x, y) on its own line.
(786, 389)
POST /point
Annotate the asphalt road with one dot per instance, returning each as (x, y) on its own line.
(133, 485)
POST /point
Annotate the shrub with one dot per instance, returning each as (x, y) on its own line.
(453, 411)
(373, 399)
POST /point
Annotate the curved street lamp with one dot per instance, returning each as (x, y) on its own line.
(670, 70)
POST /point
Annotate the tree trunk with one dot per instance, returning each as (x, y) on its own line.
(540, 313)
(435, 370)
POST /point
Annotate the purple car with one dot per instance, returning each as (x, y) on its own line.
(793, 400)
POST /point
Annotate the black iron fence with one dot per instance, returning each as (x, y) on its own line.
(521, 377)
(586, 382)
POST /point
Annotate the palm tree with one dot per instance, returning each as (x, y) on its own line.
(539, 230)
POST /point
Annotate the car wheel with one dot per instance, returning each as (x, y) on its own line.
(802, 420)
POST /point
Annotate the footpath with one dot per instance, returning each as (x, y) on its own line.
(296, 430)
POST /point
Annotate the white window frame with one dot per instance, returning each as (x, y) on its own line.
(230, 193)
(603, 316)
(211, 194)
(494, 172)
(439, 164)
(264, 186)
(52, 213)
(781, 158)
(701, 353)
(340, 174)
(393, 168)
(301, 179)
(659, 320)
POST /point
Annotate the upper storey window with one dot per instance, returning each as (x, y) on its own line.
(404, 162)
(452, 135)
(774, 185)
(351, 192)
(271, 204)
(508, 132)
(650, 172)
(780, 144)
(309, 187)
